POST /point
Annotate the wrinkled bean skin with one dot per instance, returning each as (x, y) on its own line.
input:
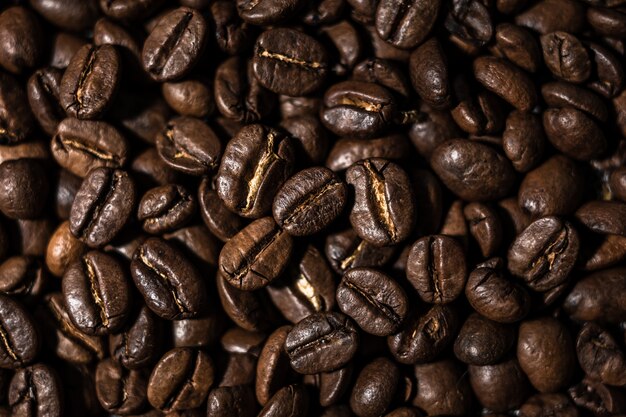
(429, 74)
(20, 341)
(36, 390)
(405, 24)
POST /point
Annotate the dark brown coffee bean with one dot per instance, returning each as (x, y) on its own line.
(255, 164)
(120, 390)
(609, 77)
(331, 385)
(482, 341)
(617, 183)
(375, 388)
(223, 223)
(566, 57)
(507, 81)
(23, 188)
(347, 152)
(43, 90)
(266, 12)
(238, 94)
(174, 45)
(456, 163)
(309, 201)
(81, 145)
(63, 249)
(22, 39)
(36, 391)
(518, 46)
(256, 255)
(347, 42)
(425, 336)
(469, 25)
(165, 208)
(552, 15)
(102, 206)
(543, 405)
(290, 401)
(299, 106)
(606, 217)
(168, 281)
(561, 94)
(189, 97)
(72, 15)
(405, 24)
(289, 62)
(232, 34)
(384, 72)
(358, 109)
(138, 345)
(22, 276)
(574, 133)
(189, 145)
(485, 226)
(375, 301)
(180, 380)
(499, 387)
(429, 73)
(250, 310)
(596, 297)
(272, 370)
(345, 250)
(20, 339)
(600, 356)
(437, 269)
(442, 380)
(479, 115)
(384, 208)
(523, 140)
(494, 296)
(310, 138)
(597, 398)
(90, 81)
(544, 253)
(322, 342)
(432, 128)
(237, 401)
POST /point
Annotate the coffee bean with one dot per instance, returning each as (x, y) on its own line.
(347, 42)
(120, 390)
(482, 341)
(90, 81)
(600, 356)
(507, 81)
(23, 188)
(22, 39)
(345, 250)
(102, 206)
(469, 24)
(309, 201)
(517, 45)
(347, 152)
(472, 170)
(607, 217)
(165, 208)
(189, 98)
(429, 73)
(609, 75)
(292, 400)
(553, 15)
(232, 33)
(266, 12)
(234, 401)
(255, 164)
(250, 310)
(223, 223)
(596, 397)
(479, 115)
(404, 24)
(331, 385)
(272, 370)
(43, 91)
(16, 118)
(595, 297)
(129, 10)
(573, 133)
(566, 57)
(438, 379)
(310, 138)
(189, 145)
(540, 405)
(81, 145)
(23, 276)
(325, 11)
(289, 62)
(97, 293)
(321, 342)
(523, 140)
(499, 387)
(168, 281)
(384, 72)
(384, 208)
(138, 344)
(617, 181)
(73, 15)
(174, 44)
(561, 94)
(20, 339)
(544, 253)
(180, 380)
(375, 301)
(375, 388)
(36, 390)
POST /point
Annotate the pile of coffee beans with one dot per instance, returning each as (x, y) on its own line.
(312, 208)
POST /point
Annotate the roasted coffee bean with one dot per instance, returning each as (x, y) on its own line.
(495, 296)
(22, 276)
(507, 81)
(64, 46)
(597, 398)
(150, 170)
(97, 293)
(90, 81)
(165, 208)
(36, 391)
(321, 342)
(232, 34)
(384, 208)
(482, 341)
(346, 39)
(23, 188)
(358, 109)
(266, 12)
(168, 281)
(289, 62)
(606, 217)
(138, 345)
(553, 15)
(309, 201)
(256, 255)
(617, 183)
(272, 369)
(223, 223)
(250, 310)
(437, 269)
(425, 336)
(523, 140)
(596, 297)
(561, 94)
(438, 379)
(375, 388)
(331, 385)
(174, 44)
(63, 249)
(600, 356)
(120, 390)
(485, 226)
(72, 15)
(189, 97)
(472, 170)
(347, 152)
(238, 94)
(22, 39)
(499, 387)
(310, 138)
(609, 74)
(20, 338)
(517, 45)
(574, 133)
(43, 90)
(469, 24)
(326, 11)
(405, 24)
(292, 400)
(189, 145)
(102, 206)
(81, 145)
(479, 115)
(255, 164)
(544, 253)
(237, 401)
(566, 57)
(545, 351)
(16, 118)
(375, 301)
(540, 405)
(345, 250)
(429, 73)
(180, 380)
(384, 72)
(432, 128)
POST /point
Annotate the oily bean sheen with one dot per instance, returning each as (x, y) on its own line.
(20, 339)
(97, 293)
(292, 401)
(574, 133)
(544, 253)
(43, 90)
(429, 74)
(597, 297)
(168, 282)
(36, 391)
(309, 201)
(256, 162)
(136, 346)
(174, 44)
(482, 341)
(472, 170)
(16, 118)
(375, 388)
(102, 206)
(375, 301)
(266, 12)
(321, 342)
(231, 402)
(23, 186)
(384, 207)
(256, 255)
(566, 57)
(165, 208)
(607, 217)
(437, 269)
(405, 23)
(90, 81)
(289, 62)
(118, 389)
